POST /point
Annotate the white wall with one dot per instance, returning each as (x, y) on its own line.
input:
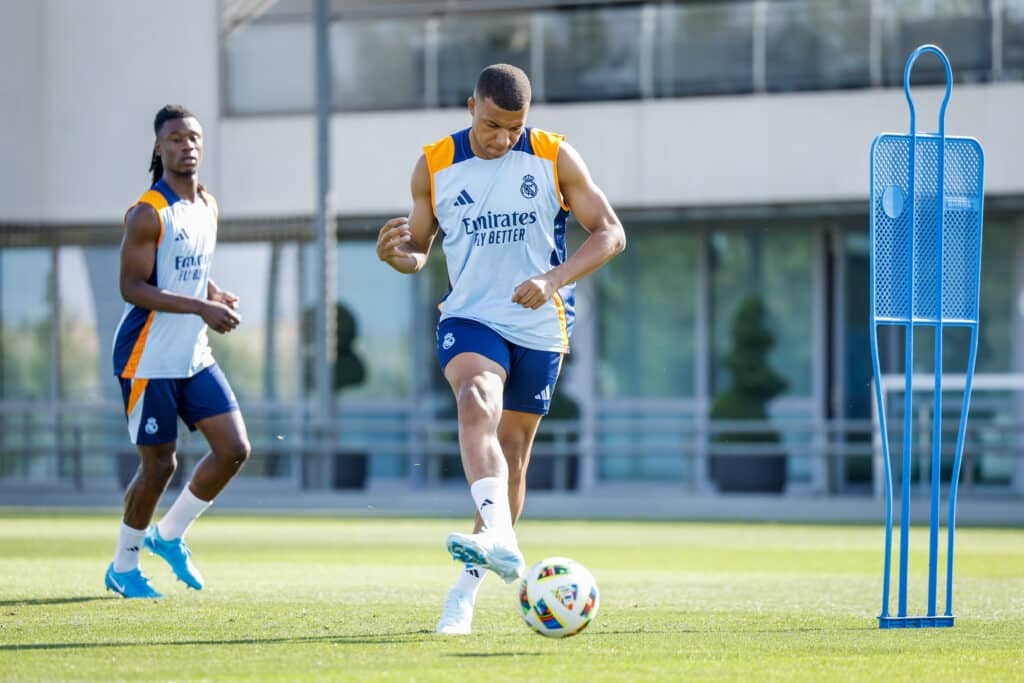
(82, 80)
(21, 176)
(95, 74)
(690, 152)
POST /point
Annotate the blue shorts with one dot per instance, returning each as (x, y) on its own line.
(530, 374)
(153, 405)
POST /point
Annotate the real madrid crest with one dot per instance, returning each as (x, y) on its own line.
(529, 187)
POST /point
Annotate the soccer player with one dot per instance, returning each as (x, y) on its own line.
(163, 360)
(500, 193)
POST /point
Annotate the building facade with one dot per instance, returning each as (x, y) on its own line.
(732, 138)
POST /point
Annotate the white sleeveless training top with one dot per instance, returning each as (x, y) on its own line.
(156, 344)
(503, 222)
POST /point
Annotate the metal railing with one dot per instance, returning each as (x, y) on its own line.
(85, 446)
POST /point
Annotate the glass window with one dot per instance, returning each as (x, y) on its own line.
(375, 312)
(82, 368)
(704, 48)
(244, 270)
(470, 42)
(775, 266)
(647, 317)
(592, 53)
(997, 303)
(1013, 38)
(818, 44)
(378, 64)
(25, 323)
(269, 68)
(379, 301)
(963, 28)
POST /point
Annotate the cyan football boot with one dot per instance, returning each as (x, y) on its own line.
(130, 584)
(177, 554)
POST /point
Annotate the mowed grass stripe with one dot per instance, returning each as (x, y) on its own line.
(315, 598)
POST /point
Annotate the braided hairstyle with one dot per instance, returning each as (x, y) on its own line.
(167, 113)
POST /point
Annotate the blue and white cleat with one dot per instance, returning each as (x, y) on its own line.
(130, 584)
(498, 553)
(177, 554)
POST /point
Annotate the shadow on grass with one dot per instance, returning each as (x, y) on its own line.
(360, 639)
(492, 654)
(752, 631)
(52, 601)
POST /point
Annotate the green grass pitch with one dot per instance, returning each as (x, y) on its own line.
(317, 598)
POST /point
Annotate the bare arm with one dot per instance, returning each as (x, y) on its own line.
(138, 257)
(404, 243)
(606, 240)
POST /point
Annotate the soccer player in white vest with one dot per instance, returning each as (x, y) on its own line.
(162, 357)
(499, 194)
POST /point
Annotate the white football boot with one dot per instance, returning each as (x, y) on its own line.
(457, 614)
(498, 552)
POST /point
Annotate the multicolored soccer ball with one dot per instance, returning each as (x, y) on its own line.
(558, 597)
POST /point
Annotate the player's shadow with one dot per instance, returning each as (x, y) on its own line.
(51, 601)
(358, 639)
(492, 654)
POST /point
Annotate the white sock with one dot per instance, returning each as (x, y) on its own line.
(470, 579)
(491, 497)
(128, 546)
(185, 510)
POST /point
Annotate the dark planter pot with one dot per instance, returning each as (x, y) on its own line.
(749, 473)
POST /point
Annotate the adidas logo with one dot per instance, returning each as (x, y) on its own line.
(464, 199)
(472, 571)
(487, 501)
(181, 236)
(133, 549)
(544, 395)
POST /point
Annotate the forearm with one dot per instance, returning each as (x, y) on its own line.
(408, 262)
(145, 295)
(598, 249)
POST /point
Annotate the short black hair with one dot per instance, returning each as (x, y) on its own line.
(508, 86)
(168, 112)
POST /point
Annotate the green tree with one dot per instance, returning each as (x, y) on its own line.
(752, 385)
(349, 369)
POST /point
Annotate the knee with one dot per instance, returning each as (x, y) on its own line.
(236, 453)
(478, 402)
(159, 470)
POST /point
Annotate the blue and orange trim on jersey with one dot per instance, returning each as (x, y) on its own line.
(456, 148)
(134, 329)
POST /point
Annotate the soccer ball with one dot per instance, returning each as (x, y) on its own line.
(558, 597)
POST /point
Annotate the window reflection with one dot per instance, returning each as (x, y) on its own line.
(471, 42)
(379, 301)
(269, 68)
(592, 54)
(25, 323)
(1013, 38)
(647, 317)
(775, 265)
(704, 49)
(378, 64)
(241, 353)
(814, 44)
(962, 28)
(80, 357)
